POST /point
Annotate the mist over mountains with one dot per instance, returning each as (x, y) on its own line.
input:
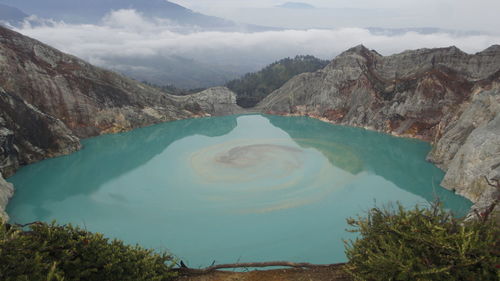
(166, 44)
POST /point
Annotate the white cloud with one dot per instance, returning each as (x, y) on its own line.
(126, 34)
(128, 19)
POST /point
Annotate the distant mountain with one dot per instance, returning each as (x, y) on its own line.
(11, 15)
(92, 11)
(179, 71)
(296, 5)
(253, 87)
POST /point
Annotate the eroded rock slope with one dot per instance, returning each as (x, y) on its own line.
(49, 100)
(444, 96)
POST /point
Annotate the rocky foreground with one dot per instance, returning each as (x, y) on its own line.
(443, 96)
(50, 100)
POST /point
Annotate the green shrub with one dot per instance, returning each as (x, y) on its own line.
(51, 252)
(422, 244)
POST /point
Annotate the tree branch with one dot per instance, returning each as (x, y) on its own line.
(265, 264)
(257, 264)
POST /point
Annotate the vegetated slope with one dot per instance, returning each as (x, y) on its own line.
(253, 87)
(440, 95)
(49, 100)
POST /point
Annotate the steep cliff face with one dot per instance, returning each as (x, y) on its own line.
(470, 151)
(49, 100)
(6, 192)
(87, 99)
(28, 135)
(444, 96)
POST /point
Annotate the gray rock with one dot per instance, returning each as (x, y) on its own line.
(476, 162)
(469, 151)
(215, 101)
(88, 100)
(28, 135)
(443, 96)
(482, 109)
(6, 192)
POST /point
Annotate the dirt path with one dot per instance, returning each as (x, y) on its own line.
(331, 273)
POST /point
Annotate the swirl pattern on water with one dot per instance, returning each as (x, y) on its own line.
(265, 174)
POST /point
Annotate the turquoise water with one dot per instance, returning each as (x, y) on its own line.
(235, 188)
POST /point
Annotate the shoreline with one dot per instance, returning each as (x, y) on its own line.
(10, 188)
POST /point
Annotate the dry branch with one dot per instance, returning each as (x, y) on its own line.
(264, 264)
(257, 265)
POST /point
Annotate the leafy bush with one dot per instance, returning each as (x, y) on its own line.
(52, 252)
(422, 244)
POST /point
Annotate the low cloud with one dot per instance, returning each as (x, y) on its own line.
(125, 34)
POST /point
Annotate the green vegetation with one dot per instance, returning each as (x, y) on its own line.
(173, 90)
(253, 87)
(49, 252)
(422, 244)
(417, 244)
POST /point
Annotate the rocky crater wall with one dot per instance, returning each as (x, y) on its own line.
(49, 100)
(443, 96)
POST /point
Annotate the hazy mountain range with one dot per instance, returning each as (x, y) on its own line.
(166, 44)
(92, 11)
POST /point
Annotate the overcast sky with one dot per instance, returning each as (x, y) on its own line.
(480, 15)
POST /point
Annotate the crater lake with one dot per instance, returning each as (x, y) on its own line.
(243, 188)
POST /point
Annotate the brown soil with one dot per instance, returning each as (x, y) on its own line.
(330, 273)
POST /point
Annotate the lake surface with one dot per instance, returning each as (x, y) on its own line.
(235, 188)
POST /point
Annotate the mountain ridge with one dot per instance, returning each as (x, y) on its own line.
(443, 95)
(93, 11)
